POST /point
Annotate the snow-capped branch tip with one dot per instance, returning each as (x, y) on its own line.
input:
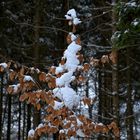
(72, 17)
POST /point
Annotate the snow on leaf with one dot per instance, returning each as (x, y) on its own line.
(4, 65)
(28, 78)
(80, 133)
(59, 69)
(76, 21)
(74, 48)
(71, 14)
(57, 93)
(58, 105)
(65, 79)
(31, 133)
(69, 96)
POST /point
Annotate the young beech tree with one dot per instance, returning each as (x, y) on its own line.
(58, 104)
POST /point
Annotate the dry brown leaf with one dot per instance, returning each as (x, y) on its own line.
(22, 70)
(56, 122)
(10, 89)
(78, 40)
(52, 70)
(67, 125)
(38, 106)
(23, 97)
(1, 69)
(38, 95)
(86, 67)
(81, 57)
(68, 39)
(87, 101)
(50, 109)
(116, 132)
(12, 75)
(71, 133)
(62, 61)
(81, 78)
(42, 76)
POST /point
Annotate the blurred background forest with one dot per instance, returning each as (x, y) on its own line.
(33, 33)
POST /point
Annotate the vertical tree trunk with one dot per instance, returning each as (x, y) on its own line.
(28, 119)
(19, 118)
(9, 118)
(24, 122)
(115, 84)
(100, 108)
(87, 95)
(36, 47)
(1, 105)
(129, 111)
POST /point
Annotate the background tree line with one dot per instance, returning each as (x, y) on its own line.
(33, 33)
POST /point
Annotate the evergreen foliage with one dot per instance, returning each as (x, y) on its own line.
(127, 24)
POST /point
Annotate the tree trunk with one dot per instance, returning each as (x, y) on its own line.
(28, 119)
(24, 122)
(1, 106)
(129, 111)
(19, 118)
(115, 84)
(9, 118)
(36, 47)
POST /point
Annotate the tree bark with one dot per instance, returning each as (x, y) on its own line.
(9, 118)
(24, 122)
(1, 106)
(28, 119)
(36, 48)
(115, 80)
(129, 111)
(19, 119)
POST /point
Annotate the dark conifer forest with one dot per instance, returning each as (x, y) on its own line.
(69, 70)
